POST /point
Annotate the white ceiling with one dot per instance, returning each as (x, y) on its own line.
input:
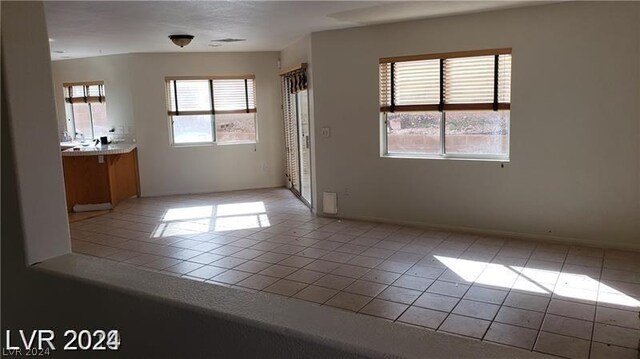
(94, 28)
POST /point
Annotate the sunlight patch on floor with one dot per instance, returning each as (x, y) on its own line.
(569, 285)
(186, 221)
(187, 213)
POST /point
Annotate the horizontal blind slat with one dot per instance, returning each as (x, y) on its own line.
(385, 84)
(504, 78)
(417, 82)
(193, 95)
(229, 96)
(468, 82)
(85, 93)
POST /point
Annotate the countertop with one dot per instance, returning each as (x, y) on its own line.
(91, 150)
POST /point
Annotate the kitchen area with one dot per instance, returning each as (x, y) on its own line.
(100, 167)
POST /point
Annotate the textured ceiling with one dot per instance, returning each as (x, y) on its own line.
(94, 28)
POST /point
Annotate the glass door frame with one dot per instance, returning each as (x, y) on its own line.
(301, 143)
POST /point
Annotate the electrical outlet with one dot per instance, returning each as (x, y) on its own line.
(326, 132)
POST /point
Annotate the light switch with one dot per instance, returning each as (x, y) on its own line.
(326, 132)
(100, 159)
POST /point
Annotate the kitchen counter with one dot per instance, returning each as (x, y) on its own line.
(91, 150)
(98, 175)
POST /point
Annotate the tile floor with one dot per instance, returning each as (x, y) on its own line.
(569, 301)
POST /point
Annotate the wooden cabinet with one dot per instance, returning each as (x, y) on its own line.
(94, 179)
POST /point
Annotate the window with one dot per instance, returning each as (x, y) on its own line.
(86, 109)
(212, 110)
(454, 105)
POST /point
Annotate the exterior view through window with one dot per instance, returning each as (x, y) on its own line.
(212, 110)
(85, 105)
(453, 105)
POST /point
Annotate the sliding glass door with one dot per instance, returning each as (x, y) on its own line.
(297, 135)
(304, 145)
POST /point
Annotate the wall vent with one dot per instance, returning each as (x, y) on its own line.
(329, 203)
(229, 39)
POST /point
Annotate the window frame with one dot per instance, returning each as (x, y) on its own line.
(191, 144)
(442, 155)
(212, 112)
(69, 101)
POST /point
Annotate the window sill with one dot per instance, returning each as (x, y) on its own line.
(210, 144)
(195, 144)
(454, 158)
(236, 143)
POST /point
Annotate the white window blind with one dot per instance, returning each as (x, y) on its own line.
(76, 91)
(504, 79)
(211, 96)
(476, 80)
(385, 85)
(95, 90)
(417, 82)
(192, 95)
(469, 80)
(293, 82)
(84, 92)
(291, 135)
(234, 95)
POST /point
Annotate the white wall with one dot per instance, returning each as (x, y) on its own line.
(575, 160)
(296, 53)
(29, 112)
(115, 71)
(135, 87)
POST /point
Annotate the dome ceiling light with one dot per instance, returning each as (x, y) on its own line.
(181, 40)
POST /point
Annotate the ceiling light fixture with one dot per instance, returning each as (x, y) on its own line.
(181, 40)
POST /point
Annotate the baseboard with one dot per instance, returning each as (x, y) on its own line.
(508, 234)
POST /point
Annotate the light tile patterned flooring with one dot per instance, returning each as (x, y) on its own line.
(570, 301)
